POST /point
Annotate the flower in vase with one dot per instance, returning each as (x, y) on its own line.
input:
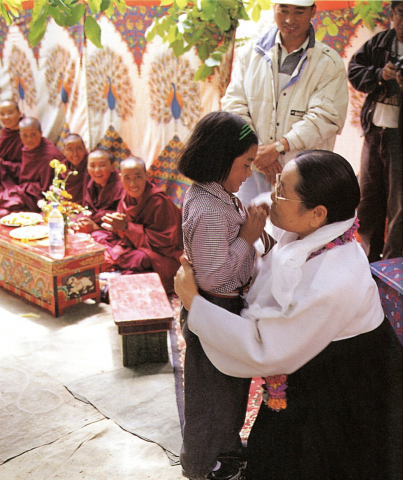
(57, 194)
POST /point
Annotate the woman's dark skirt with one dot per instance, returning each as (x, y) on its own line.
(343, 419)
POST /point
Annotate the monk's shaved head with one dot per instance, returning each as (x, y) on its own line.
(10, 102)
(73, 137)
(132, 162)
(104, 152)
(30, 122)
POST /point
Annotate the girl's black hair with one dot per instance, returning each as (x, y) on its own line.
(214, 144)
(327, 179)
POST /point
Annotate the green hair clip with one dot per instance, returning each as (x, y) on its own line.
(245, 130)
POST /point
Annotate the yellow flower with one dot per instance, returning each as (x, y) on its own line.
(54, 163)
(65, 194)
(62, 168)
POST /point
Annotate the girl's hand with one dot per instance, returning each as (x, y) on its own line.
(114, 221)
(252, 229)
(185, 283)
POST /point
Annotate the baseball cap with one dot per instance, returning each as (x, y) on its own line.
(299, 3)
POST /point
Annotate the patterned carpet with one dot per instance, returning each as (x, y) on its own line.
(178, 353)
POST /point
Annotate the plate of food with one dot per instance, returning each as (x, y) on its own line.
(21, 219)
(32, 232)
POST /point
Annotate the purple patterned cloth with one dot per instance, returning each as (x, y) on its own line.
(388, 275)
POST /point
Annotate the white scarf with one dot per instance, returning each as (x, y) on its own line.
(281, 269)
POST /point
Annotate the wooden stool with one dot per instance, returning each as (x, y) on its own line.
(143, 314)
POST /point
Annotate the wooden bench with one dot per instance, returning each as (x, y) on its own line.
(143, 315)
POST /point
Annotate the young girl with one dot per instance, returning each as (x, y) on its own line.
(218, 239)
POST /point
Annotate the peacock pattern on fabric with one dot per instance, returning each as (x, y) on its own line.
(108, 84)
(115, 144)
(224, 73)
(63, 134)
(22, 22)
(164, 173)
(59, 77)
(132, 27)
(3, 35)
(356, 101)
(21, 77)
(344, 25)
(173, 92)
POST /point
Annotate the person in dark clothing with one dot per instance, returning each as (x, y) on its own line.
(373, 70)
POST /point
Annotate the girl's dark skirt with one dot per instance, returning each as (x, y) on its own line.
(343, 419)
(215, 403)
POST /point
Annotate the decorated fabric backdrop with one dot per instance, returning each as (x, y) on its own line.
(135, 97)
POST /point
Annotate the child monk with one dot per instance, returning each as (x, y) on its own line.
(146, 230)
(36, 175)
(102, 191)
(76, 159)
(10, 144)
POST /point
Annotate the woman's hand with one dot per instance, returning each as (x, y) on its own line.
(253, 228)
(85, 225)
(185, 283)
(114, 221)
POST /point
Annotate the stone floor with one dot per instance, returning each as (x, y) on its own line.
(82, 342)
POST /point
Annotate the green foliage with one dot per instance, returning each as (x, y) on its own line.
(208, 25)
(9, 9)
(65, 13)
(367, 12)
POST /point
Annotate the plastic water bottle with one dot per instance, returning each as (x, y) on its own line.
(56, 233)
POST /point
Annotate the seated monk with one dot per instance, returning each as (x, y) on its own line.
(146, 232)
(10, 144)
(102, 192)
(76, 159)
(36, 175)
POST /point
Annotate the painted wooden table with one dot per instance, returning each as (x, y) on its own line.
(27, 269)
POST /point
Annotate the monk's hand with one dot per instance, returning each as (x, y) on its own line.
(185, 283)
(253, 227)
(271, 171)
(86, 225)
(114, 221)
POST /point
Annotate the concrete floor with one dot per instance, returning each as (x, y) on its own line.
(81, 343)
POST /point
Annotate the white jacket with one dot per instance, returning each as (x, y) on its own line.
(311, 109)
(296, 307)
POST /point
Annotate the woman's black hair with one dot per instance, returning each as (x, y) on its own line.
(327, 179)
(214, 144)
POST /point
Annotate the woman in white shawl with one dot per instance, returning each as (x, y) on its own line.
(315, 331)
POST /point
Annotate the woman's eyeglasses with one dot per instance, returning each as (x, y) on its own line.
(277, 196)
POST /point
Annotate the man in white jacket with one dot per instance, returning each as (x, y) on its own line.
(291, 88)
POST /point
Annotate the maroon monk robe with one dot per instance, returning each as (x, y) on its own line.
(154, 233)
(75, 183)
(10, 157)
(36, 176)
(102, 200)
